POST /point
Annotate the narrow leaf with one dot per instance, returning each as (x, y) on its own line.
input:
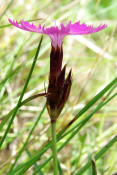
(94, 172)
(98, 155)
(22, 94)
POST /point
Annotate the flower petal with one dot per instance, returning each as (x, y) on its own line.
(80, 29)
(27, 26)
(56, 33)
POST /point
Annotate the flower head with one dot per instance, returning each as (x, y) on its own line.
(56, 33)
(59, 86)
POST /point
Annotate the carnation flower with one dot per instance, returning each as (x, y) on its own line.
(59, 86)
(57, 33)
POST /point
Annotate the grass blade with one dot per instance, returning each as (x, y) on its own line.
(22, 94)
(35, 165)
(98, 155)
(94, 172)
(6, 117)
(10, 3)
(26, 142)
(89, 105)
(81, 124)
(60, 169)
(12, 73)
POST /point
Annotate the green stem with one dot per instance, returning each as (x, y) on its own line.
(97, 155)
(21, 96)
(55, 164)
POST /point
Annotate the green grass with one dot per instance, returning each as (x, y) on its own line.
(87, 127)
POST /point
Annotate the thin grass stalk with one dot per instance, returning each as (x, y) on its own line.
(7, 117)
(8, 6)
(22, 94)
(35, 165)
(59, 168)
(27, 140)
(84, 121)
(91, 103)
(97, 155)
(93, 169)
(80, 125)
(37, 156)
(29, 163)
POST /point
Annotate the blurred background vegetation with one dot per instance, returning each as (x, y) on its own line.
(93, 59)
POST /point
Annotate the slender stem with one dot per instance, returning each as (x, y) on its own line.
(21, 96)
(27, 140)
(97, 155)
(55, 164)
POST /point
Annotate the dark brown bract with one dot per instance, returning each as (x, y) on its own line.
(59, 87)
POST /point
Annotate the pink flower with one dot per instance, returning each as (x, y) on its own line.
(59, 86)
(56, 33)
